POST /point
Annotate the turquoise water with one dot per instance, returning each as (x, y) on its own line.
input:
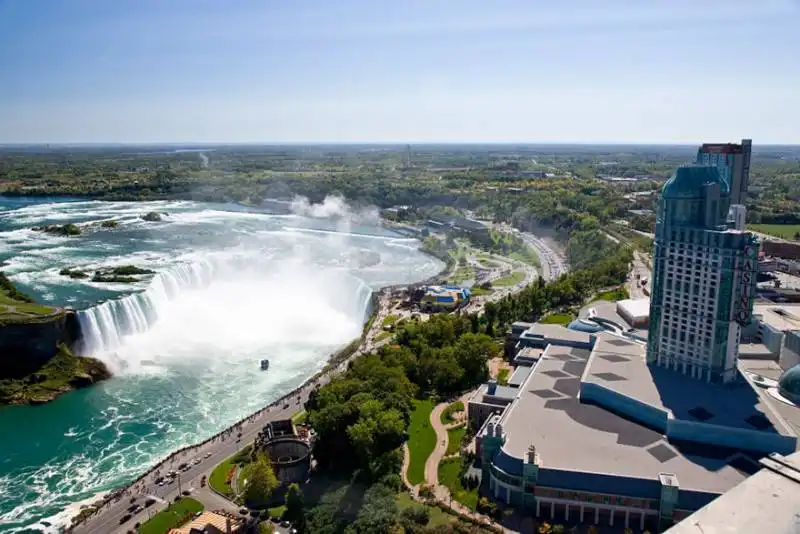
(232, 286)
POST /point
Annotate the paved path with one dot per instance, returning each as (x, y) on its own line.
(432, 463)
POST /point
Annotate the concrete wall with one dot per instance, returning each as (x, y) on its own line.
(639, 411)
(736, 438)
(290, 470)
(682, 430)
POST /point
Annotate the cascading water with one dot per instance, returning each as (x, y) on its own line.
(233, 287)
(104, 326)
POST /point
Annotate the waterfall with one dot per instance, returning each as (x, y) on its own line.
(104, 326)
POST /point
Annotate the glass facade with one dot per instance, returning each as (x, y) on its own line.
(703, 278)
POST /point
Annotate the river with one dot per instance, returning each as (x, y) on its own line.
(232, 285)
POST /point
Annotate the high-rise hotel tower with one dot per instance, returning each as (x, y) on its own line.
(704, 275)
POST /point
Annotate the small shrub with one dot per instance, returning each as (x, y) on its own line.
(419, 515)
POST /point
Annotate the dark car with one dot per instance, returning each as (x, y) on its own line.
(149, 502)
(186, 492)
(132, 508)
(124, 518)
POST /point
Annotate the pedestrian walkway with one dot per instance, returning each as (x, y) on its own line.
(432, 463)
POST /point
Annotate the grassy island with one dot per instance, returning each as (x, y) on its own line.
(66, 230)
(121, 274)
(63, 372)
(36, 364)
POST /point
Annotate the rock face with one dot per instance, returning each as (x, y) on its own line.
(25, 347)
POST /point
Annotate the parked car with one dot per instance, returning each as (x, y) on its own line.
(124, 518)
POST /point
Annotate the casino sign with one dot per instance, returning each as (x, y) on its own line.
(744, 291)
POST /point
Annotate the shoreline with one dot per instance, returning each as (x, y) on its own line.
(335, 364)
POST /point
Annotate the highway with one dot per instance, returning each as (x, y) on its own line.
(638, 267)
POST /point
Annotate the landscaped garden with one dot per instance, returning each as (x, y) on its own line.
(450, 472)
(557, 318)
(510, 280)
(784, 231)
(450, 411)
(454, 437)
(421, 440)
(222, 476)
(175, 515)
(619, 293)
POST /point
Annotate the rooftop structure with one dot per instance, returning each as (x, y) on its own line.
(733, 162)
(211, 523)
(591, 428)
(636, 312)
(444, 297)
(768, 501)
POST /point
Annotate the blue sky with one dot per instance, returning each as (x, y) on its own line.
(665, 71)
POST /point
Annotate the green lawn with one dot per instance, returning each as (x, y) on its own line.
(450, 476)
(382, 336)
(785, 231)
(421, 440)
(447, 413)
(389, 320)
(511, 280)
(557, 318)
(277, 511)
(615, 294)
(437, 515)
(461, 274)
(172, 517)
(218, 478)
(300, 417)
(454, 437)
(13, 311)
(476, 291)
(502, 376)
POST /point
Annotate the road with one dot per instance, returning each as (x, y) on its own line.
(553, 263)
(210, 454)
(224, 447)
(638, 267)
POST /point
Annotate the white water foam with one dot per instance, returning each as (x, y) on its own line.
(104, 326)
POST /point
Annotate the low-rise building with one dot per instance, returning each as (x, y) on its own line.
(444, 298)
(212, 523)
(591, 433)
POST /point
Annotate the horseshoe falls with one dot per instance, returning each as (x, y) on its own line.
(230, 286)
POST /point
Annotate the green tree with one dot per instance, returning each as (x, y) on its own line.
(378, 513)
(260, 481)
(294, 502)
(414, 517)
(472, 352)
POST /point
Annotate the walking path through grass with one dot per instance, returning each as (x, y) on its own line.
(421, 440)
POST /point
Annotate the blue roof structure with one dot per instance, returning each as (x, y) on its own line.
(789, 384)
(688, 181)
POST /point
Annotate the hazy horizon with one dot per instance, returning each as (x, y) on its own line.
(358, 72)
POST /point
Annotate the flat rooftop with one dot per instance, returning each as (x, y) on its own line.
(579, 437)
(779, 316)
(768, 501)
(620, 366)
(556, 331)
(608, 310)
